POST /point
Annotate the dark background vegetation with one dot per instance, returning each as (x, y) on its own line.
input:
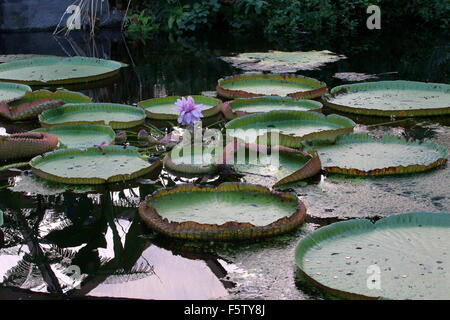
(286, 19)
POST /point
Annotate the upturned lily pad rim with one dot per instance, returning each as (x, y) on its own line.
(310, 168)
(366, 86)
(230, 109)
(320, 88)
(346, 125)
(132, 151)
(188, 170)
(36, 102)
(80, 107)
(60, 94)
(358, 226)
(27, 144)
(22, 88)
(79, 127)
(199, 99)
(228, 231)
(365, 137)
(113, 65)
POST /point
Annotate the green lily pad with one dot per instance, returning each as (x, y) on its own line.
(199, 161)
(231, 211)
(35, 102)
(391, 98)
(92, 165)
(361, 154)
(14, 57)
(293, 127)
(60, 94)
(241, 107)
(58, 70)
(281, 61)
(12, 91)
(81, 136)
(254, 85)
(283, 165)
(400, 257)
(162, 108)
(117, 116)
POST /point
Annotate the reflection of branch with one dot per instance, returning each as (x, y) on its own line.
(38, 255)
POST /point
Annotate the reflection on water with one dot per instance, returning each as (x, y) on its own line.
(56, 238)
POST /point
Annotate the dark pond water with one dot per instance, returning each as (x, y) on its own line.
(52, 234)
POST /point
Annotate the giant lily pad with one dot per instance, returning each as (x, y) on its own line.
(57, 70)
(92, 165)
(242, 107)
(118, 116)
(14, 57)
(361, 154)
(162, 108)
(391, 98)
(199, 161)
(281, 61)
(254, 85)
(26, 145)
(231, 211)
(12, 91)
(293, 127)
(81, 136)
(35, 102)
(281, 164)
(400, 257)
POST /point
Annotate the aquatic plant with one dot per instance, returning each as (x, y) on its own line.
(188, 111)
(391, 98)
(25, 144)
(257, 85)
(398, 257)
(362, 154)
(241, 211)
(97, 165)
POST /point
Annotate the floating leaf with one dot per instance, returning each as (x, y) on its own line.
(293, 127)
(242, 107)
(391, 98)
(26, 145)
(199, 161)
(354, 76)
(403, 256)
(81, 136)
(254, 85)
(281, 61)
(117, 116)
(162, 108)
(12, 91)
(14, 57)
(58, 70)
(92, 165)
(35, 102)
(361, 154)
(282, 164)
(231, 211)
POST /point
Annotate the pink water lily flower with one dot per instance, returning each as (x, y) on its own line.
(188, 112)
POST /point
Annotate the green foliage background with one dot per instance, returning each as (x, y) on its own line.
(280, 18)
